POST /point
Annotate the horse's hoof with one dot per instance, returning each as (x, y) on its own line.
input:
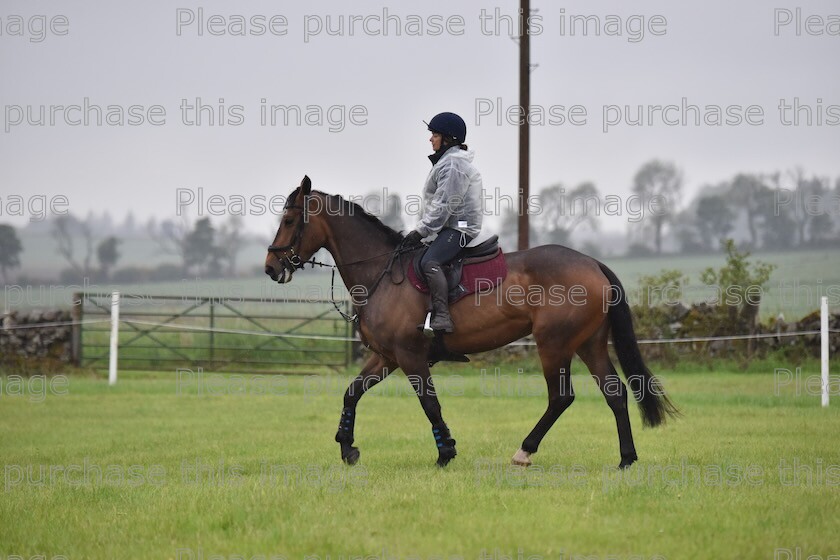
(626, 462)
(521, 459)
(351, 456)
(445, 454)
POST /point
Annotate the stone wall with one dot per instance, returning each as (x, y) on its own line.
(22, 338)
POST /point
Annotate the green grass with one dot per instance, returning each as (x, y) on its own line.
(395, 503)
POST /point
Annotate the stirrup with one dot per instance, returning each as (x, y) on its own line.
(426, 327)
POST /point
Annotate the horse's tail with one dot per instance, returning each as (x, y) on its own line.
(650, 395)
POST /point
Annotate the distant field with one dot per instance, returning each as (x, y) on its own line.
(794, 289)
(157, 468)
(40, 259)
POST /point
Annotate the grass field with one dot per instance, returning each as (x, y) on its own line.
(245, 467)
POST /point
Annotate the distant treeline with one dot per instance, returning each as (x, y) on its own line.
(778, 211)
(773, 211)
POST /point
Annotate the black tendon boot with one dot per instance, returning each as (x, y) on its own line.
(445, 444)
(344, 436)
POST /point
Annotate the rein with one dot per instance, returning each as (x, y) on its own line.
(387, 271)
(294, 259)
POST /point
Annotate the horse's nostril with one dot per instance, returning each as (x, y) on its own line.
(270, 271)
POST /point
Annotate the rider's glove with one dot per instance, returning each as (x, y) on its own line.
(413, 238)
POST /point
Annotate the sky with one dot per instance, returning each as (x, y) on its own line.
(366, 88)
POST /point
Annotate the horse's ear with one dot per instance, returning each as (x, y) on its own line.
(306, 185)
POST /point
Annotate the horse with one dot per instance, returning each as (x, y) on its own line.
(589, 306)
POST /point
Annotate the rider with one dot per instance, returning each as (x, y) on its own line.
(452, 209)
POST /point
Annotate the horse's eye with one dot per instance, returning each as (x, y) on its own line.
(288, 221)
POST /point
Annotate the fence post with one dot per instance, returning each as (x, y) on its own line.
(212, 326)
(348, 333)
(76, 315)
(824, 348)
(115, 336)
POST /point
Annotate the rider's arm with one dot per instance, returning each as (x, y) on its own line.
(452, 184)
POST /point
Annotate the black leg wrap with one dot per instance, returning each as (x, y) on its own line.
(445, 444)
(346, 426)
(344, 436)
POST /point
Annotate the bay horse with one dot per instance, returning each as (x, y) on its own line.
(366, 254)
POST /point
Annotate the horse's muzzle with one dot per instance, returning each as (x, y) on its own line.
(271, 272)
(280, 277)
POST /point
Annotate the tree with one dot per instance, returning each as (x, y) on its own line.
(777, 227)
(64, 229)
(746, 192)
(392, 215)
(658, 185)
(714, 220)
(199, 247)
(171, 237)
(231, 242)
(509, 232)
(739, 285)
(802, 211)
(107, 254)
(388, 210)
(10, 249)
(129, 225)
(820, 228)
(562, 212)
(106, 223)
(834, 206)
(686, 235)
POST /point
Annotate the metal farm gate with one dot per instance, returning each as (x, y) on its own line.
(233, 334)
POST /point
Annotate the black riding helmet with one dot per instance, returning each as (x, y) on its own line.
(449, 125)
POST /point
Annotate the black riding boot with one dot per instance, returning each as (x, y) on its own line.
(436, 279)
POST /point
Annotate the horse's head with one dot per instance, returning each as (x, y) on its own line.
(298, 237)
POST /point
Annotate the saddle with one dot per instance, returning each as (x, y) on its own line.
(474, 268)
(470, 271)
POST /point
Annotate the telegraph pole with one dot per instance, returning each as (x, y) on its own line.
(524, 131)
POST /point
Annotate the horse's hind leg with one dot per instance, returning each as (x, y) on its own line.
(555, 364)
(375, 370)
(594, 354)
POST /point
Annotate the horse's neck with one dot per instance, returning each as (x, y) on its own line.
(361, 247)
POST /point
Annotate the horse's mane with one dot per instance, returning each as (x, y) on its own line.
(352, 209)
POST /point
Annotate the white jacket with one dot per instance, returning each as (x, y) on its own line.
(453, 195)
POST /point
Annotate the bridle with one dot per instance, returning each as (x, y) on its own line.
(294, 260)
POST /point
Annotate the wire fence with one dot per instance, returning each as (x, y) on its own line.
(212, 333)
(523, 342)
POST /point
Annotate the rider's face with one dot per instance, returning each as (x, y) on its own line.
(436, 140)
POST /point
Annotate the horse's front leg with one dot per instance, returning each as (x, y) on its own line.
(375, 370)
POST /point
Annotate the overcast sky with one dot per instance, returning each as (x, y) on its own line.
(121, 53)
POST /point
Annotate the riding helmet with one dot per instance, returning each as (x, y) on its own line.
(449, 124)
